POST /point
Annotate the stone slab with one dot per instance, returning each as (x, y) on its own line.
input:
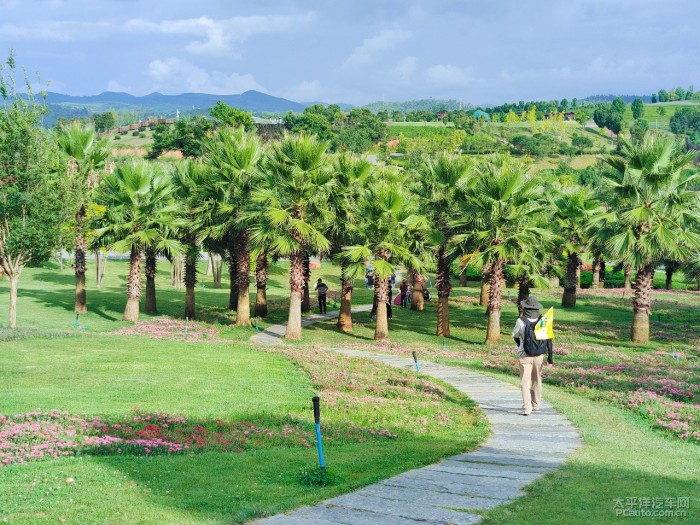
(432, 497)
(412, 510)
(346, 516)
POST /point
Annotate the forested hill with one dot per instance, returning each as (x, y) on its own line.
(627, 99)
(428, 104)
(157, 104)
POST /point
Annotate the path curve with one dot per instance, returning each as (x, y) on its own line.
(520, 450)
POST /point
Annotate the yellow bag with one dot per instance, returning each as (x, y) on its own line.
(545, 326)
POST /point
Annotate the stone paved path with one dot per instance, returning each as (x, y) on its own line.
(520, 450)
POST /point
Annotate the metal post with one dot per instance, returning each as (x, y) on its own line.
(415, 359)
(319, 442)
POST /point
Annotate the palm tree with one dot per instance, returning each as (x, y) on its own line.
(190, 179)
(384, 209)
(139, 214)
(574, 208)
(691, 269)
(282, 208)
(350, 175)
(262, 264)
(499, 212)
(658, 216)
(86, 156)
(438, 190)
(234, 157)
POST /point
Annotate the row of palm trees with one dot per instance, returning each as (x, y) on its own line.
(245, 200)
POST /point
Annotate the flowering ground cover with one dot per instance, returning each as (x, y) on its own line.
(223, 432)
(660, 383)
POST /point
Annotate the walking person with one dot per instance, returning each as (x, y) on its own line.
(403, 288)
(321, 290)
(531, 354)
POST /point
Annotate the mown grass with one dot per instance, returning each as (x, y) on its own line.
(370, 434)
(99, 374)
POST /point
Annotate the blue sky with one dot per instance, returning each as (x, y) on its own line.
(358, 51)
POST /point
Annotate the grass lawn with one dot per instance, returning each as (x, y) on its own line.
(244, 412)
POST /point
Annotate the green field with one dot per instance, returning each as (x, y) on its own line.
(211, 377)
(651, 113)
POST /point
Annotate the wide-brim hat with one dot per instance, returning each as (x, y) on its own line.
(531, 303)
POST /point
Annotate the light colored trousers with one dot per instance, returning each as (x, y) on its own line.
(531, 381)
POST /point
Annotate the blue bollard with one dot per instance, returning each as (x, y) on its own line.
(415, 360)
(319, 443)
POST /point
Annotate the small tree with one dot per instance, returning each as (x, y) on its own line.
(230, 116)
(581, 142)
(637, 108)
(31, 193)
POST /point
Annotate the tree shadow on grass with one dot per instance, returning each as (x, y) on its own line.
(235, 487)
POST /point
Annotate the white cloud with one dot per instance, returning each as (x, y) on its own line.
(53, 31)
(174, 75)
(217, 35)
(306, 91)
(367, 52)
(113, 85)
(405, 68)
(449, 76)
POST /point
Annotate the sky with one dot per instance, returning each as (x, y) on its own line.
(358, 51)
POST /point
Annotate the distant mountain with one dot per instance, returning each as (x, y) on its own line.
(250, 101)
(157, 104)
(628, 99)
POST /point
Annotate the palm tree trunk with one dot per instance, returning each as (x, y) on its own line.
(417, 298)
(133, 287)
(641, 303)
(578, 276)
(14, 283)
(463, 278)
(243, 262)
(261, 285)
(602, 273)
(568, 299)
(595, 283)
(670, 268)
(80, 267)
(344, 323)
(233, 278)
(190, 281)
(493, 329)
(444, 287)
(177, 271)
(306, 301)
(296, 285)
(150, 306)
(215, 260)
(100, 266)
(381, 327)
(210, 266)
(524, 285)
(485, 279)
(628, 277)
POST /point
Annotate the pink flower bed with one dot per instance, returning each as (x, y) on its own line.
(167, 328)
(366, 402)
(662, 387)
